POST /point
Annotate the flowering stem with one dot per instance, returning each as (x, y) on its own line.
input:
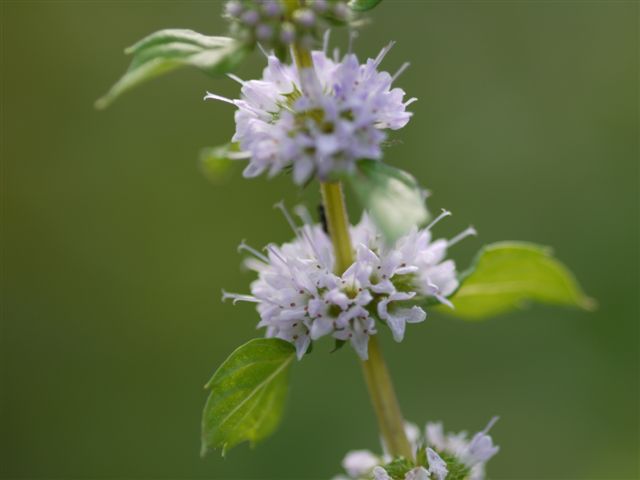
(385, 402)
(383, 396)
(301, 55)
(338, 224)
(376, 374)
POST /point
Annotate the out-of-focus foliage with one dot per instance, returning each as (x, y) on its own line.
(508, 275)
(167, 50)
(392, 197)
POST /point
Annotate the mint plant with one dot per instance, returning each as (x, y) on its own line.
(324, 117)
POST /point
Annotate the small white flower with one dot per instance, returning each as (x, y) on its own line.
(474, 453)
(380, 473)
(300, 298)
(359, 462)
(481, 448)
(418, 473)
(320, 123)
(437, 466)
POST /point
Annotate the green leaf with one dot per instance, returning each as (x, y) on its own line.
(217, 162)
(363, 5)
(391, 196)
(247, 394)
(507, 275)
(166, 50)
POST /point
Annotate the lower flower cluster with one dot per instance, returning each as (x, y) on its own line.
(300, 298)
(438, 456)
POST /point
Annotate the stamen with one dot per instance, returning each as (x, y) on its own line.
(410, 101)
(444, 300)
(238, 155)
(273, 250)
(236, 297)
(445, 213)
(253, 251)
(336, 55)
(264, 52)
(304, 214)
(400, 71)
(382, 54)
(280, 206)
(492, 422)
(213, 96)
(435, 291)
(307, 237)
(325, 41)
(236, 78)
(353, 34)
(470, 231)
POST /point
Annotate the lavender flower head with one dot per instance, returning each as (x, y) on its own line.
(320, 124)
(300, 298)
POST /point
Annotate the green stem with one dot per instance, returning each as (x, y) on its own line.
(378, 379)
(376, 374)
(385, 402)
(338, 224)
(383, 396)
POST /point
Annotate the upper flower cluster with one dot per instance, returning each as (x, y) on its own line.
(300, 298)
(268, 22)
(438, 456)
(322, 123)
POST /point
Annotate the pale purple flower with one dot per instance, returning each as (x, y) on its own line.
(320, 124)
(359, 462)
(474, 453)
(301, 299)
(418, 473)
(437, 466)
(380, 473)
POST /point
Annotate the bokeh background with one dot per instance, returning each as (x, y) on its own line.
(115, 246)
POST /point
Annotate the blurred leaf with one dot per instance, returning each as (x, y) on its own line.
(392, 197)
(166, 50)
(217, 162)
(247, 394)
(363, 5)
(506, 275)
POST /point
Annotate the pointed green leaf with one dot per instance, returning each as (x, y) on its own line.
(167, 50)
(508, 275)
(363, 5)
(217, 162)
(247, 394)
(391, 196)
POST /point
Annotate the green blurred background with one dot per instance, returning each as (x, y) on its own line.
(115, 247)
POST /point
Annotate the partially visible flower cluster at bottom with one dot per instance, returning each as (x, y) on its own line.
(438, 456)
(300, 298)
